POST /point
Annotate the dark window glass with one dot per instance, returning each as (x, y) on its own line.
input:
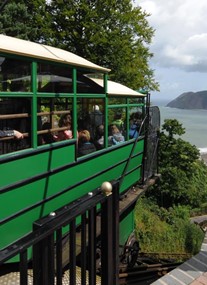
(136, 100)
(54, 79)
(117, 100)
(85, 84)
(15, 115)
(55, 122)
(15, 75)
(91, 122)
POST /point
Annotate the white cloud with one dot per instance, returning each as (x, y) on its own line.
(180, 40)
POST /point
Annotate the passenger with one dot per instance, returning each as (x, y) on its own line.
(65, 121)
(137, 117)
(115, 136)
(133, 129)
(48, 137)
(11, 133)
(118, 121)
(96, 117)
(84, 144)
(99, 137)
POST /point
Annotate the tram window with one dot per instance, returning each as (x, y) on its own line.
(117, 126)
(136, 100)
(54, 79)
(15, 75)
(53, 114)
(15, 115)
(86, 85)
(91, 117)
(116, 101)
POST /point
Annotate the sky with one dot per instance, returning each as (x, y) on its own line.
(179, 45)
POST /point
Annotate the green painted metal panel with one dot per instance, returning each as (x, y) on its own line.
(126, 227)
(20, 169)
(79, 178)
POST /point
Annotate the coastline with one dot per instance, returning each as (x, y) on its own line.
(204, 157)
(193, 121)
(203, 154)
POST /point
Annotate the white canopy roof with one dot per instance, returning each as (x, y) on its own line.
(115, 88)
(26, 48)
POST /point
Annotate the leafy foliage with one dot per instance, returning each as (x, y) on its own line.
(114, 34)
(183, 175)
(167, 207)
(202, 210)
(166, 231)
(15, 13)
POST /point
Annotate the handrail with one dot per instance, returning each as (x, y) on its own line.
(132, 150)
(51, 223)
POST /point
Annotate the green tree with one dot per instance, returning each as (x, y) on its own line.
(113, 34)
(25, 19)
(13, 20)
(183, 175)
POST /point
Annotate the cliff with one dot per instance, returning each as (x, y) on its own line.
(190, 100)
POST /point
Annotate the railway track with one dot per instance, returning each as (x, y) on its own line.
(151, 266)
(146, 271)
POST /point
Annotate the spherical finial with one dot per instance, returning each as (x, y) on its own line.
(106, 188)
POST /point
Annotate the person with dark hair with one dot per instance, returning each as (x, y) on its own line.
(133, 132)
(84, 144)
(96, 117)
(48, 137)
(11, 133)
(135, 123)
(65, 121)
(99, 137)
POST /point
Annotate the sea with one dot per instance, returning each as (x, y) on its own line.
(194, 122)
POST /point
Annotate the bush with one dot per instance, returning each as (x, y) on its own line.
(166, 231)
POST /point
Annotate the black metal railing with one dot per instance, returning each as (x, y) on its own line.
(68, 237)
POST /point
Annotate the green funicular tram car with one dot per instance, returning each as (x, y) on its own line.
(77, 133)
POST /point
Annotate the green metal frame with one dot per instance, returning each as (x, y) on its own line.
(38, 180)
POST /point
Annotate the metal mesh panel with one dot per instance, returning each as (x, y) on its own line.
(151, 147)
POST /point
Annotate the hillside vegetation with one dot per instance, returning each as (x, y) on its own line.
(163, 216)
(190, 100)
(163, 231)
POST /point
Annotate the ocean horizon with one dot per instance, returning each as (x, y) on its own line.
(194, 122)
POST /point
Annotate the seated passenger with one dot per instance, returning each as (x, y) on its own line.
(137, 117)
(11, 133)
(65, 121)
(133, 129)
(115, 136)
(99, 137)
(118, 121)
(48, 137)
(84, 144)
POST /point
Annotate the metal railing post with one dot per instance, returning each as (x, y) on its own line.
(109, 238)
(43, 261)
